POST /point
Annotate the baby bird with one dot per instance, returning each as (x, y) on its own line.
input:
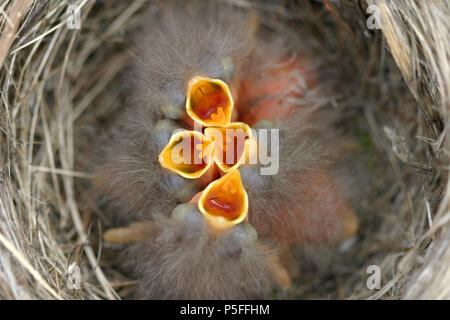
(187, 260)
(181, 41)
(216, 230)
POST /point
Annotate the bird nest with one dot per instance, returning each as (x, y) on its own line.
(63, 86)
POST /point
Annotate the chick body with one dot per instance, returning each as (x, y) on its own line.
(185, 260)
(300, 204)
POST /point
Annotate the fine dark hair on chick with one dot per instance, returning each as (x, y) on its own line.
(173, 47)
(302, 200)
(128, 174)
(197, 265)
(183, 40)
(298, 205)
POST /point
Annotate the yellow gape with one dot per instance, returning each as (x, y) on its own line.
(223, 145)
(224, 203)
(188, 154)
(209, 101)
(233, 145)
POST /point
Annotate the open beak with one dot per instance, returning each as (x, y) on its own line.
(224, 203)
(188, 154)
(234, 144)
(209, 101)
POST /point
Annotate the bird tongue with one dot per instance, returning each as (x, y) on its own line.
(210, 105)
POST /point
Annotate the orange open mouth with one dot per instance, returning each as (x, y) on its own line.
(224, 203)
(209, 101)
(188, 154)
(233, 144)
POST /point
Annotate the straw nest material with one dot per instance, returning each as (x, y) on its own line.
(61, 88)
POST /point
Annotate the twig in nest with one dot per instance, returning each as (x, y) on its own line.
(16, 12)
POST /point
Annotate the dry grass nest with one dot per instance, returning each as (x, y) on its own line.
(60, 88)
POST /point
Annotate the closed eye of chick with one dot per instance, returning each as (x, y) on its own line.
(217, 229)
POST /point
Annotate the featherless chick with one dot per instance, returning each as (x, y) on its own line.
(216, 230)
